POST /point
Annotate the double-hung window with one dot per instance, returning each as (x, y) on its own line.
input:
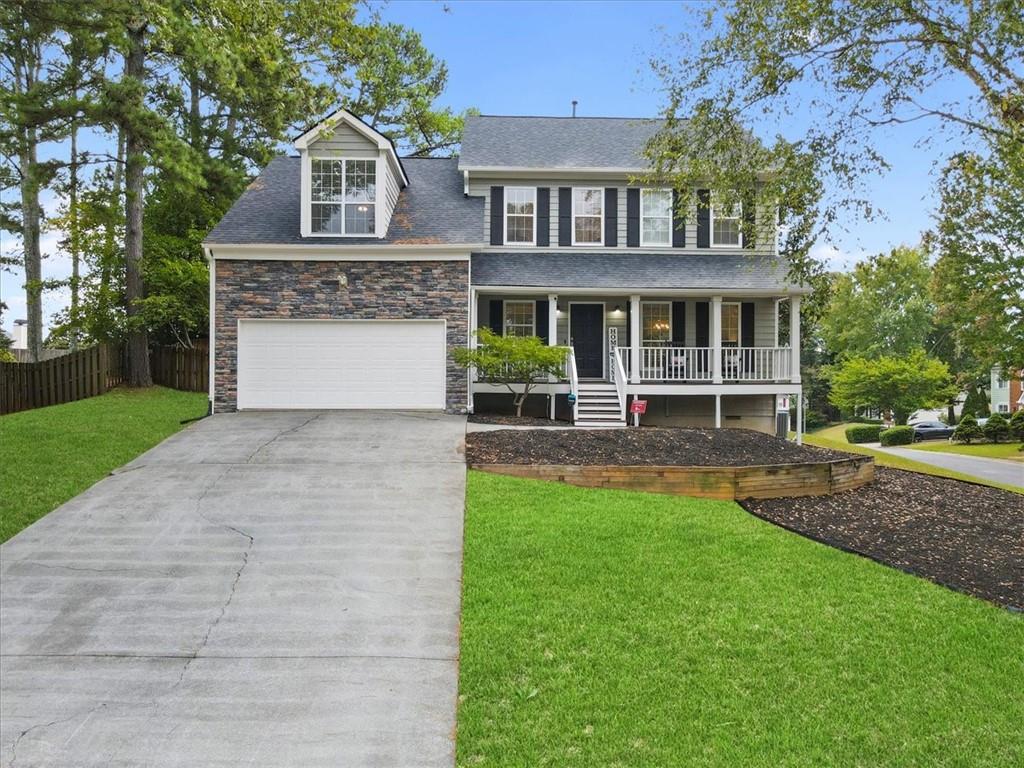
(520, 215)
(520, 318)
(730, 324)
(343, 196)
(725, 225)
(656, 328)
(656, 217)
(587, 216)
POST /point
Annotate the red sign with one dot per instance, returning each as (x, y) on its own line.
(638, 406)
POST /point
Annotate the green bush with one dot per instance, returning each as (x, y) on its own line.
(1017, 425)
(897, 436)
(967, 429)
(996, 428)
(863, 433)
(815, 420)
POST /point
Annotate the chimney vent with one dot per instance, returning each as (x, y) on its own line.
(574, 103)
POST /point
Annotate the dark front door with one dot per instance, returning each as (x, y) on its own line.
(586, 334)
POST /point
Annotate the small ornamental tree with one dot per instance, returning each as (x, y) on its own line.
(517, 362)
(1017, 425)
(996, 428)
(967, 430)
(901, 383)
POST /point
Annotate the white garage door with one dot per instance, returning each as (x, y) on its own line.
(341, 364)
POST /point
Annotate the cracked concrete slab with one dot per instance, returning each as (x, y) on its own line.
(262, 588)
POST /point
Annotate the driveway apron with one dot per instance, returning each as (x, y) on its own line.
(276, 588)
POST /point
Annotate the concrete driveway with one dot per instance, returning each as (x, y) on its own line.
(998, 470)
(275, 589)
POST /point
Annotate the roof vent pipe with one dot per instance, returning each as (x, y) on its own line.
(574, 103)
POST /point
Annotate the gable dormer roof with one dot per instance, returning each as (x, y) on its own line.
(329, 123)
(508, 143)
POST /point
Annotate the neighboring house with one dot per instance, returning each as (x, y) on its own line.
(19, 339)
(1004, 394)
(343, 277)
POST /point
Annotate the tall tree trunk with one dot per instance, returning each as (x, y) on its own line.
(134, 290)
(73, 234)
(27, 69)
(110, 233)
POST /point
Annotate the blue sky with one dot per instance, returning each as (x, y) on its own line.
(534, 58)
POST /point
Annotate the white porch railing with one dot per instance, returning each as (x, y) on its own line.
(693, 364)
(620, 382)
(755, 364)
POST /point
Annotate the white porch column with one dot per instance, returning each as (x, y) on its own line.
(794, 339)
(716, 339)
(471, 343)
(775, 338)
(634, 339)
(552, 320)
(718, 411)
(799, 419)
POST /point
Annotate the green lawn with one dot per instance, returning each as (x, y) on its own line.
(988, 450)
(610, 628)
(48, 455)
(835, 438)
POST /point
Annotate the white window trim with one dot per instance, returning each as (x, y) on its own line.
(643, 311)
(600, 196)
(739, 222)
(504, 314)
(504, 231)
(308, 201)
(1002, 408)
(643, 241)
(739, 321)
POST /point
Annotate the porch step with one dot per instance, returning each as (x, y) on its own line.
(602, 400)
(601, 424)
(596, 387)
(587, 406)
(602, 416)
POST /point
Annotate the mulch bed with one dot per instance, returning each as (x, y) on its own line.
(649, 447)
(966, 537)
(515, 421)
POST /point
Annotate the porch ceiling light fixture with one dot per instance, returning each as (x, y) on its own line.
(618, 308)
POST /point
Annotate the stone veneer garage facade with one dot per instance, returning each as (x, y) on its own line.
(310, 290)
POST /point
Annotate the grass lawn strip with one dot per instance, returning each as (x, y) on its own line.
(1010, 451)
(49, 455)
(614, 628)
(966, 537)
(650, 446)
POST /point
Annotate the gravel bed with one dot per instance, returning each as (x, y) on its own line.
(966, 537)
(645, 446)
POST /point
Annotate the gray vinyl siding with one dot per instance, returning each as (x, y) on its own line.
(346, 141)
(480, 186)
(391, 190)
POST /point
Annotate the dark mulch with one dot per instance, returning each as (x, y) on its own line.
(650, 446)
(964, 536)
(514, 421)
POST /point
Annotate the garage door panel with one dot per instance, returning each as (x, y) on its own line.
(341, 364)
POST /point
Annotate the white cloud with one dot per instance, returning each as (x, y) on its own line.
(837, 259)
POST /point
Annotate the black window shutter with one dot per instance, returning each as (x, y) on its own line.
(747, 324)
(541, 320)
(678, 222)
(703, 218)
(496, 310)
(497, 215)
(544, 216)
(565, 215)
(679, 323)
(611, 217)
(633, 217)
(703, 325)
(749, 220)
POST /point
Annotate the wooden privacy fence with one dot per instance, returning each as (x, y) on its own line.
(74, 376)
(177, 368)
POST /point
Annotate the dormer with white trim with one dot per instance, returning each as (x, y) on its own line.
(351, 179)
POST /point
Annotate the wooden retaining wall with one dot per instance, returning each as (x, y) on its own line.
(759, 482)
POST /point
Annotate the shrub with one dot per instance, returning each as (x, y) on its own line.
(967, 429)
(863, 433)
(996, 428)
(863, 420)
(815, 420)
(1017, 425)
(897, 436)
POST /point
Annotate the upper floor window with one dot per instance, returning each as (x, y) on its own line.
(519, 318)
(587, 216)
(725, 225)
(656, 327)
(1000, 382)
(655, 217)
(343, 195)
(520, 218)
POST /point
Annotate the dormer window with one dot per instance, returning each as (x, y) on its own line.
(343, 196)
(587, 216)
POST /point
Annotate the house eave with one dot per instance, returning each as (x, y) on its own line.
(336, 252)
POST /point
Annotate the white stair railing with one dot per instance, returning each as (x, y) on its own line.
(574, 383)
(620, 382)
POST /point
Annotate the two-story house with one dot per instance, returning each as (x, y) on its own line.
(343, 277)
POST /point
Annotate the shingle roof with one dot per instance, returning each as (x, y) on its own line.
(432, 209)
(737, 271)
(556, 142)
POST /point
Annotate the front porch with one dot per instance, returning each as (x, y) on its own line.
(673, 344)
